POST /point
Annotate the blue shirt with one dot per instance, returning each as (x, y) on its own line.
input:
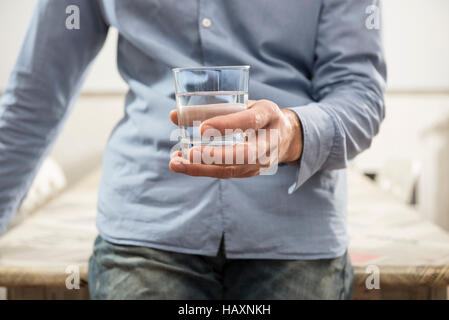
(317, 57)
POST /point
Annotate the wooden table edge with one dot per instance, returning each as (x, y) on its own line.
(399, 276)
(19, 276)
(405, 276)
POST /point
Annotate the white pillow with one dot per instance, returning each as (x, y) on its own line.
(48, 183)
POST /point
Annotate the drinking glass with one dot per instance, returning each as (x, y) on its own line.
(206, 92)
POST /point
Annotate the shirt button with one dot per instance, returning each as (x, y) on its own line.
(206, 23)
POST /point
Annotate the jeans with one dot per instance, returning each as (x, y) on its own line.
(132, 272)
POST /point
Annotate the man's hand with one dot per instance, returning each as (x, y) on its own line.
(274, 135)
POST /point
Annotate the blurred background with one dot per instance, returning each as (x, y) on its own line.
(409, 158)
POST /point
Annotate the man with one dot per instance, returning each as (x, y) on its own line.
(317, 76)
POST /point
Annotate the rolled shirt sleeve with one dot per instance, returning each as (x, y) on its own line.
(348, 85)
(45, 79)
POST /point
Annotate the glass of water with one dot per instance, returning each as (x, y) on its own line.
(206, 92)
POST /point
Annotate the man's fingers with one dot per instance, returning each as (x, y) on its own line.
(229, 155)
(174, 113)
(241, 154)
(174, 116)
(181, 165)
(257, 116)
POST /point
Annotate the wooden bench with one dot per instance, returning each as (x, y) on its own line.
(412, 254)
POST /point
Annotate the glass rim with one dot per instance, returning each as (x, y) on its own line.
(243, 67)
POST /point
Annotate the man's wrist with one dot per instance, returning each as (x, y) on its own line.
(295, 139)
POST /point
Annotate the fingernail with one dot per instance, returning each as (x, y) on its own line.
(178, 166)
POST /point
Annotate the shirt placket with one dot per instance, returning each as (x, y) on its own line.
(206, 28)
(205, 25)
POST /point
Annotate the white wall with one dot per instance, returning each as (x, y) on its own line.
(401, 135)
(14, 15)
(416, 40)
(416, 34)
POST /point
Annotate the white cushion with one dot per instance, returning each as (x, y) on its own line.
(48, 183)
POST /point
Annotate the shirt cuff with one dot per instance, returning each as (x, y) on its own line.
(319, 132)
